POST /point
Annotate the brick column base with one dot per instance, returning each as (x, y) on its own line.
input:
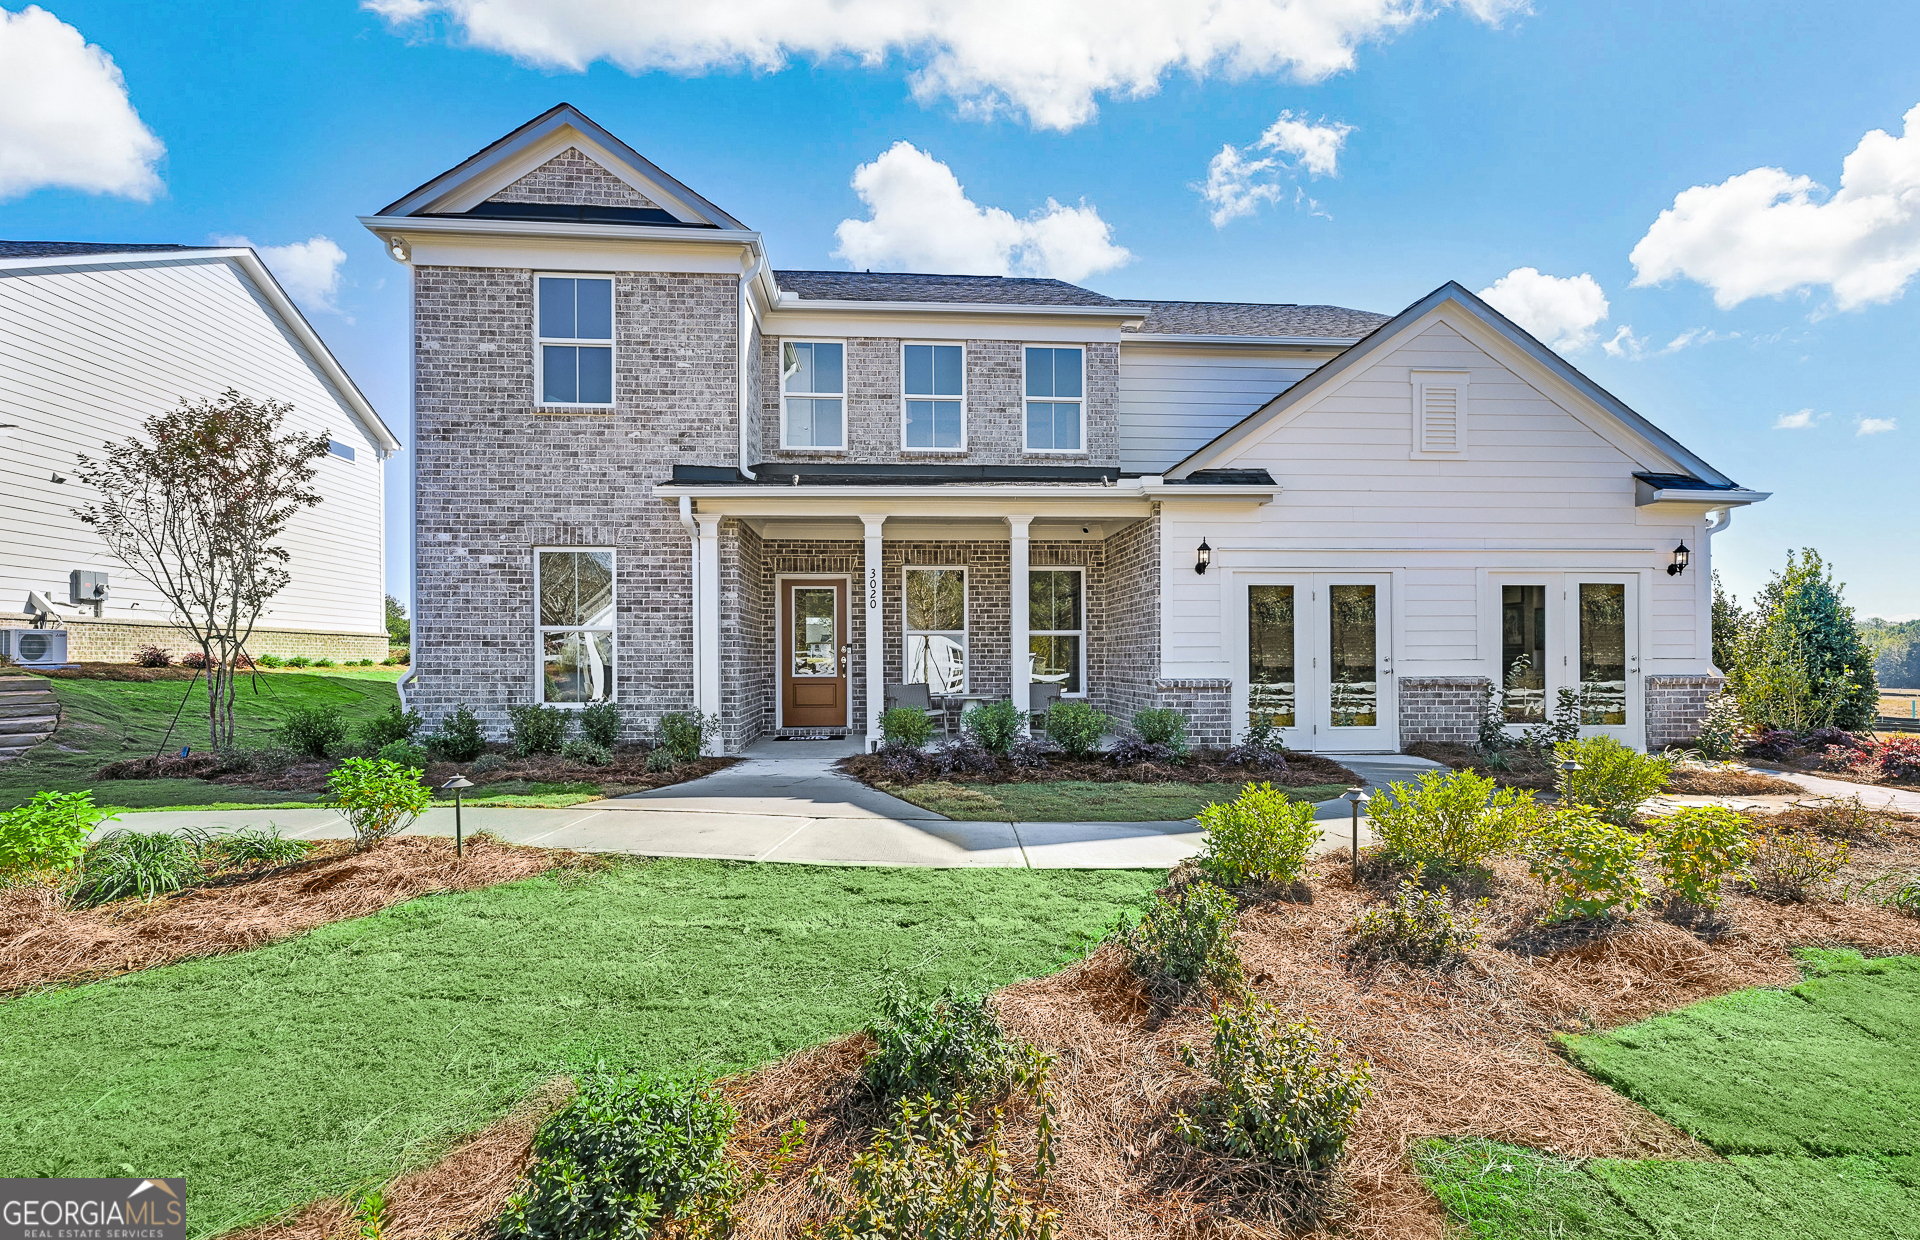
(1207, 704)
(1677, 706)
(1441, 708)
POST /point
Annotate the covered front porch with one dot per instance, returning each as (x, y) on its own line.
(810, 600)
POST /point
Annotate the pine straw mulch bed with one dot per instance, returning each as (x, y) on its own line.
(627, 773)
(1203, 766)
(43, 944)
(1461, 1051)
(1688, 780)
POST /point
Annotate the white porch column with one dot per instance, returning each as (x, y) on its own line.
(874, 629)
(706, 624)
(1017, 560)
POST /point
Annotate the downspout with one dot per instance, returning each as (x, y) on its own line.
(745, 338)
(693, 582)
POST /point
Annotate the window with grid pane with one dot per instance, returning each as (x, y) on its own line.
(1054, 398)
(1056, 627)
(813, 391)
(575, 325)
(934, 382)
(574, 590)
(936, 628)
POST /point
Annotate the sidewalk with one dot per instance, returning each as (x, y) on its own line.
(785, 802)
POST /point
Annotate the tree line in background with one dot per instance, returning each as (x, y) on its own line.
(1896, 651)
(1796, 659)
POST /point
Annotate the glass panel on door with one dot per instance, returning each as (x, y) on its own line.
(1272, 687)
(816, 646)
(1353, 698)
(1523, 652)
(1603, 653)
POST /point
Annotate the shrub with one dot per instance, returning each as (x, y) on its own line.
(1261, 837)
(942, 1047)
(383, 730)
(1698, 848)
(402, 753)
(1418, 925)
(1033, 753)
(1884, 758)
(47, 834)
(195, 659)
(926, 1175)
(1259, 749)
(299, 660)
(625, 1153)
(152, 656)
(1077, 728)
(1161, 725)
(263, 760)
(537, 729)
(1796, 866)
(251, 844)
(271, 660)
(686, 736)
(1905, 898)
(600, 723)
(906, 727)
(1284, 1105)
(1613, 781)
(1184, 941)
(659, 760)
(1132, 751)
(487, 763)
(1587, 866)
(323, 662)
(1453, 820)
(377, 798)
(586, 752)
(458, 738)
(996, 725)
(310, 729)
(125, 864)
(963, 755)
(1723, 732)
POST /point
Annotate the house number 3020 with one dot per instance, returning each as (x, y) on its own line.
(873, 589)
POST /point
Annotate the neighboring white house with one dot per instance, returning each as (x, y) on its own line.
(96, 338)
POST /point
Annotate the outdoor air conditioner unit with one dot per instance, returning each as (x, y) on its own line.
(34, 647)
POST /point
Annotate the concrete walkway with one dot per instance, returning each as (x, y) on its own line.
(785, 802)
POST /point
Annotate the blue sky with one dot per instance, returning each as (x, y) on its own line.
(1405, 146)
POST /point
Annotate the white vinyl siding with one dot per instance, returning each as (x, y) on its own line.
(86, 355)
(1176, 399)
(1440, 413)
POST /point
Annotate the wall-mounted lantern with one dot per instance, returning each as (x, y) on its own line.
(1206, 557)
(1680, 557)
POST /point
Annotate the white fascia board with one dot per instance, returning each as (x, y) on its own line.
(1696, 498)
(255, 272)
(1174, 339)
(389, 226)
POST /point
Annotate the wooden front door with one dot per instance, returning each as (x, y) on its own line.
(813, 654)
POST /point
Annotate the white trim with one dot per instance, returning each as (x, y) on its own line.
(1440, 392)
(1085, 431)
(610, 343)
(780, 344)
(966, 620)
(792, 301)
(1080, 570)
(873, 628)
(541, 630)
(1289, 342)
(1563, 638)
(906, 396)
(782, 635)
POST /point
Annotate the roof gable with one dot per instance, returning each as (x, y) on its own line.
(1502, 340)
(562, 158)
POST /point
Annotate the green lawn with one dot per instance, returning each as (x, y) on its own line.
(328, 1062)
(1082, 801)
(107, 720)
(1813, 1093)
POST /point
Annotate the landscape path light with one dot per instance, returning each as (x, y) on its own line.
(1356, 797)
(457, 785)
(1567, 768)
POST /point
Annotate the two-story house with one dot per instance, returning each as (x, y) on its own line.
(651, 467)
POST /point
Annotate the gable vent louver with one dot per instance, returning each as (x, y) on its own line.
(1440, 413)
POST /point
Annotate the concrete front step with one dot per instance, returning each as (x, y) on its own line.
(16, 705)
(31, 725)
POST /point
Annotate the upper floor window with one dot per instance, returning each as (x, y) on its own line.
(576, 340)
(1055, 421)
(813, 393)
(935, 388)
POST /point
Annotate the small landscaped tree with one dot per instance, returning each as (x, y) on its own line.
(399, 628)
(1730, 624)
(1801, 663)
(195, 507)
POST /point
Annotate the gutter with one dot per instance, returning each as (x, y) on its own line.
(486, 226)
(1126, 488)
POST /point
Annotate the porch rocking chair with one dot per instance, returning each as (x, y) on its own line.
(915, 695)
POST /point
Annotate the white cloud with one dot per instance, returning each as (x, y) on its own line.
(1875, 426)
(1767, 232)
(309, 270)
(1238, 182)
(1563, 312)
(1625, 344)
(1043, 61)
(1799, 420)
(919, 218)
(65, 120)
(1696, 336)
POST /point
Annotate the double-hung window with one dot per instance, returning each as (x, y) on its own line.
(1055, 414)
(813, 394)
(936, 628)
(935, 387)
(1056, 628)
(575, 343)
(574, 590)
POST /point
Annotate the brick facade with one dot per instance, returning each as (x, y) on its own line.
(1676, 707)
(1130, 659)
(573, 179)
(995, 416)
(117, 641)
(1207, 704)
(1442, 708)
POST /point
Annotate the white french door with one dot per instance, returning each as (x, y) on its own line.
(1578, 631)
(1319, 659)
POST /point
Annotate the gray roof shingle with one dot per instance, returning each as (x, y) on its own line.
(68, 249)
(911, 286)
(1231, 318)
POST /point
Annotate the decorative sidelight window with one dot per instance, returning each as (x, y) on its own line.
(1353, 645)
(934, 382)
(936, 628)
(1055, 398)
(575, 347)
(813, 394)
(1523, 653)
(1603, 653)
(1272, 691)
(575, 595)
(1056, 628)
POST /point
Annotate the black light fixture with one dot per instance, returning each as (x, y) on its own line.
(1206, 557)
(1680, 557)
(457, 785)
